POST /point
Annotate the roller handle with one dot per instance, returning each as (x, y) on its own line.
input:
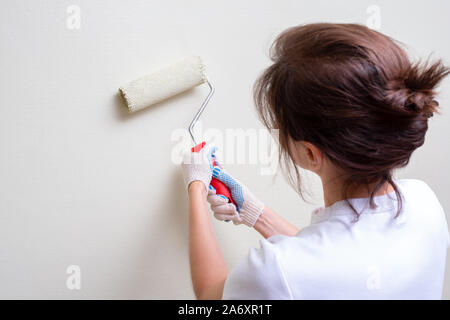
(221, 188)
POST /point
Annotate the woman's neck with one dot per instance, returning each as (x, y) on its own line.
(332, 191)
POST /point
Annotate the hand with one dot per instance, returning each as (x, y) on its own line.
(197, 166)
(222, 208)
(248, 209)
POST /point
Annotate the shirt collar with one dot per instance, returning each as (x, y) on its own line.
(384, 203)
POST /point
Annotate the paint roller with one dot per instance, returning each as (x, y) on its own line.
(168, 82)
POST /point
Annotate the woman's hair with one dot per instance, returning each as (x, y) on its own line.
(353, 93)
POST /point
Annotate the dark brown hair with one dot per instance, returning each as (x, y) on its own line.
(353, 93)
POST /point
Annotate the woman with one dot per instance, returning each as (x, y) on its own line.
(351, 107)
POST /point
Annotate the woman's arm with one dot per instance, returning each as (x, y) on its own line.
(269, 223)
(208, 268)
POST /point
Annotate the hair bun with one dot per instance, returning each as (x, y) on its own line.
(402, 98)
(413, 90)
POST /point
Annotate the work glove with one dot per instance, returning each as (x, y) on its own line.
(197, 166)
(248, 208)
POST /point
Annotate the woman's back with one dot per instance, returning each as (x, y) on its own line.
(377, 257)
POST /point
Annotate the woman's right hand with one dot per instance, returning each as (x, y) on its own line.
(248, 209)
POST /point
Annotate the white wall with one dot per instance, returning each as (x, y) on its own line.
(83, 183)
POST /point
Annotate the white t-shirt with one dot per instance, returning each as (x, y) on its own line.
(377, 257)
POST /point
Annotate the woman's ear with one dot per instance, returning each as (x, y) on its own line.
(313, 156)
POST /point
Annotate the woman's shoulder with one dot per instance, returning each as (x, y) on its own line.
(418, 194)
(415, 185)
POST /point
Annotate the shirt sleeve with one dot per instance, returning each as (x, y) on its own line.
(258, 276)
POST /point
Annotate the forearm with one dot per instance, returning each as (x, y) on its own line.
(208, 268)
(269, 223)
